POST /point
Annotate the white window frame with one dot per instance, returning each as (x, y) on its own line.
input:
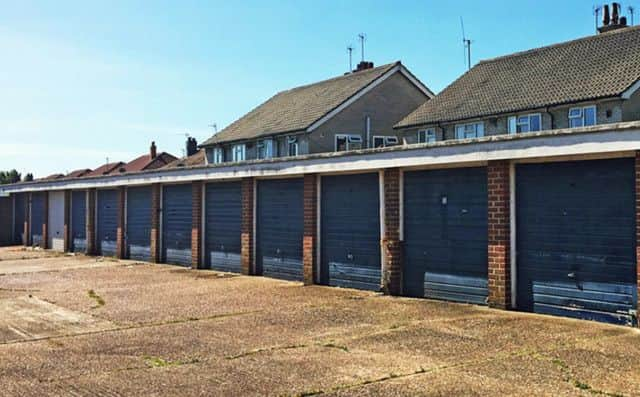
(581, 116)
(351, 139)
(478, 130)
(267, 146)
(429, 135)
(390, 141)
(292, 142)
(218, 155)
(239, 152)
(378, 137)
(514, 123)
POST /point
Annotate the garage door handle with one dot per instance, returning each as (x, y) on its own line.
(571, 275)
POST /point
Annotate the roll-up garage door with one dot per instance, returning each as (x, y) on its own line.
(37, 218)
(223, 219)
(176, 224)
(107, 226)
(350, 239)
(79, 221)
(576, 239)
(280, 228)
(20, 215)
(55, 229)
(138, 236)
(445, 234)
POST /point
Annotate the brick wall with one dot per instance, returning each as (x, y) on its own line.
(499, 230)
(45, 222)
(310, 240)
(66, 230)
(246, 252)
(196, 225)
(155, 223)
(638, 225)
(120, 246)
(391, 245)
(91, 222)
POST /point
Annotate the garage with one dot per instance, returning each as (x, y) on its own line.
(350, 238)
(280, 224)
(56, 221)
(445, 234)
(576, 239)
(78, 221)
(107, 223)
(223, 219)
(176, 224)
(20, 208)
(38, 202)
(138, 236)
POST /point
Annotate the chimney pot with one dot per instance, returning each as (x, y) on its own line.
(153, 150)
(192, 146)
(606, 19)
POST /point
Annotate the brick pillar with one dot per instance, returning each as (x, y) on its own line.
(638, 225)
(91, 222)
(499, 230)
(310, 239)
(155, 223)
(45, 222)
(120, 232)
(66, 231)
(391, 245)
(247, 226)
(27, 222)
(196, 224)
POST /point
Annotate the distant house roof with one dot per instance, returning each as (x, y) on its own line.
(106, 169)
(191, 161)
(145, 162)
(594, 67)
(78, 173)
(52, 177)
(300, 108)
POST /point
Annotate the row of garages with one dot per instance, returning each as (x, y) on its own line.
(573, 225)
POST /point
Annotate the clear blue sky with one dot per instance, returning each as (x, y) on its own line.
(81, 81)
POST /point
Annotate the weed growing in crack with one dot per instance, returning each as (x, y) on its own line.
(96, 297)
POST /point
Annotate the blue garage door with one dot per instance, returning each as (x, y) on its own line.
(107, 227)
(223, 219)
(79, 221)
(576, 239)
(20, 216)
(138, 237)
(445, 234)
(350, 237)
(37, 218)
(280, 228)
(176, 224)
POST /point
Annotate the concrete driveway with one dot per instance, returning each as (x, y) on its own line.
(69, 327)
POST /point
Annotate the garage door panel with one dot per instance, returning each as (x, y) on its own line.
(20, 213)
(176, 224)
(37, 218)
(280, 227)
(138, 237)
(576, 239)
(107, 227)
(78, 221)
(350, 239)
(55, 226)
(223, 211)
(446, 234)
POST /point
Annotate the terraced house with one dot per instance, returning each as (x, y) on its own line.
(517, 187)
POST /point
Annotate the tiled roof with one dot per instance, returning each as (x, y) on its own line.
(594, 67)
(191, 161)
(78, 173)
(298, 108)
(105, 169)
(145, 162)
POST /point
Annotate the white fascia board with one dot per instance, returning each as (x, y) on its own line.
(425, 90)
(535, 147)
(631, 90)
(354, 98)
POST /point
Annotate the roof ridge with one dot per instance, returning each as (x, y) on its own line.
(562, 44)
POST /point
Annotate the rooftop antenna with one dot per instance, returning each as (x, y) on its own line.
(596, 14)
(350, 51)
(467, 44)
(362, 38)
(214, 126)
(631, 10)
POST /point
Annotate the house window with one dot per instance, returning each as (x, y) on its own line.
(427, 136)
(378, 141)
(582, 117)
(239, 152)
(218, 155)
(384, 141)
(471, 130)
(265, 149)
(292, 146)
(525, 123)
(348, 142)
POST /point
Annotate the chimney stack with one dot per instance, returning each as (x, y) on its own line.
(611, 18)
(192, 146)
(364, 65)
(153, 150)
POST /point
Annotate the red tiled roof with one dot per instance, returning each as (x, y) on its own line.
(191, 161)
(145, 162)
(105, 169)
(78, 173)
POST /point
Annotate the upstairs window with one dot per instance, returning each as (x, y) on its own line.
(292, 146)
(218, 155)
(470, 130)
(265, 149)
(384, 141)
(427, 136)
(525, 123)
(239, 152)
(582, 117)
(348, 142)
